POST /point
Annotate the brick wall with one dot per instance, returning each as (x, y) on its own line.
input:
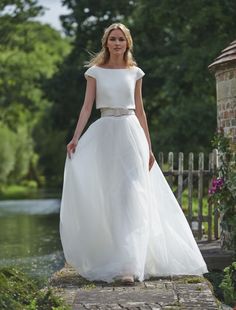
(226, 100)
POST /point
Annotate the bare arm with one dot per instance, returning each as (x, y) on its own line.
(139, 111)
(141, 115)
(84, 114)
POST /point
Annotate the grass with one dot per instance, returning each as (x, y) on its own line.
(16, 191)
(26, 191)
(18, 291)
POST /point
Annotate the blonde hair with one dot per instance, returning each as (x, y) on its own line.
(103, 56)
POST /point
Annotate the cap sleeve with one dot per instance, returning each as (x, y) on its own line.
(139, 74)
(90, 72)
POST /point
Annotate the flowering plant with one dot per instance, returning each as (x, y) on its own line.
(217, 185)
(222, 192)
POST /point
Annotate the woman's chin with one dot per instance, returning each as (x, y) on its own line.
(118, 53)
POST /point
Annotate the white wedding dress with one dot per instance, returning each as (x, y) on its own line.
(116, 216)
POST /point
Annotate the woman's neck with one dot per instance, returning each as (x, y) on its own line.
(116, 62)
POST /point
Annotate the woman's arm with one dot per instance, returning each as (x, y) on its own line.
(141, 115)
(84, 114)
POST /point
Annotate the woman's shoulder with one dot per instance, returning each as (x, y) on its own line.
(91, 71)
(91, 68)
(95, 70)
(139, 73)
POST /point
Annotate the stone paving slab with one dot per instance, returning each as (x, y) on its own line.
(182, 292)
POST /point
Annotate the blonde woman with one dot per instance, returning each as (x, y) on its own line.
(119, 219)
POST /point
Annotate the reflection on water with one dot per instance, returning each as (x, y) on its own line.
(29, 236)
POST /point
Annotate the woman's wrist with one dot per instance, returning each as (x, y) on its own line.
(75, 139)
(151, 153)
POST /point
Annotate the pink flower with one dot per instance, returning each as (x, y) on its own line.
(217, 184)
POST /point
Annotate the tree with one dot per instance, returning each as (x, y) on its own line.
(14, 13)
(175, 42)
(7, 152)
(30, 54)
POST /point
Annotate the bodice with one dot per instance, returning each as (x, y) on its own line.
(115, 88)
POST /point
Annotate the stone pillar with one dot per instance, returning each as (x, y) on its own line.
(224, 68)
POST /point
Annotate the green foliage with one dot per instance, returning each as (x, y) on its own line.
(16, 149)
(29, 54)
(28, 189)
(32, 56)
(175, 41)
(17, 291)
(42, 82)
(7, 152)
(228, 284)
(215, 278)
(21, 9)
(15, 13)
(52, 149)
(223, 190)
(24, 153)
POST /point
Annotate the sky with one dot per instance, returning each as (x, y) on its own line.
(52, 13)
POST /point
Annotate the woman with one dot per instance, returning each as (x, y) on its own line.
(119, 217)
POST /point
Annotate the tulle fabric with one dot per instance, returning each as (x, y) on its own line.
(117, 217)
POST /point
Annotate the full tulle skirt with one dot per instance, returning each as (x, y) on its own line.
(116, 216)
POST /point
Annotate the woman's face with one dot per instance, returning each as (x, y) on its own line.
(116, 42)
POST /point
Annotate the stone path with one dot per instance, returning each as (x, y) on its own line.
(182, 292)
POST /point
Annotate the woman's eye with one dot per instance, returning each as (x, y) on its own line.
(120, 39)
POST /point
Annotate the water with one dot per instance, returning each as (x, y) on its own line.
(29, 236)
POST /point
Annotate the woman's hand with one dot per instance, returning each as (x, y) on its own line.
(151, 160)
(71, 146)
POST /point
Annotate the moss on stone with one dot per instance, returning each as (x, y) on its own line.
(189, 279)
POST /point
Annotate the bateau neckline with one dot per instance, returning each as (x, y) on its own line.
(115, 68)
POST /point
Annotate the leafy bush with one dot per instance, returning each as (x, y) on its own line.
(17, 291)
(16, 151)
(7, 152)
(228, 284)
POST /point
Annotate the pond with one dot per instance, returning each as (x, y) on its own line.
(29, 236)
